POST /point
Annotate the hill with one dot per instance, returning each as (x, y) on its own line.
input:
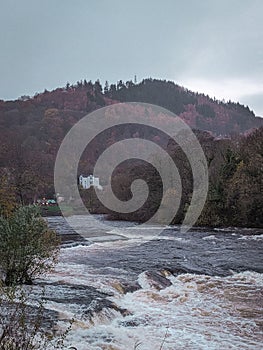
(73, 101)
(198, 110)
(32, 129)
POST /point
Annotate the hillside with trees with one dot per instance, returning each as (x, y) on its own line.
(235, 196)
(198, 110)
(32, 129)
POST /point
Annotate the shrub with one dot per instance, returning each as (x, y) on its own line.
(27, 246)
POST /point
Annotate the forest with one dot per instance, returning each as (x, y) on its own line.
(32, 129)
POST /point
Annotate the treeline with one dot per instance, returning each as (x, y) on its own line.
(236, 190)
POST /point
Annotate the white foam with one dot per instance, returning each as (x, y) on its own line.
(252, 237)
(196, 311)
(211, 237)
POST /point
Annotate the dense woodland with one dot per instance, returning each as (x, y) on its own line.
(235, 196)
(32, 128)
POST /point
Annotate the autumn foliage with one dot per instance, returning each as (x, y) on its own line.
(32, 129)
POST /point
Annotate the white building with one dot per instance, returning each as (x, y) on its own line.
(88, 181)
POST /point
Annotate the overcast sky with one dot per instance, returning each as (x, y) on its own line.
(210, 46)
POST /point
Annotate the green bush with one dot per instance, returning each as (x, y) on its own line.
(27, 246)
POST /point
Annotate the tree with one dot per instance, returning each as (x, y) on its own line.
(106, 87)
(27, 246)
(7, 197)
(23, 169)
(205, 110)
(113, 90)
(120, 85)
(231, 162)
(97, 87)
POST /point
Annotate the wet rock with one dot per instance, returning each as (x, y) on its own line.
(72, 240)
(177, 271)
(75, 294)
(31, 315)
(134, 322)
(126, 287)
(96, 306)
(157, 280)
(130, 287)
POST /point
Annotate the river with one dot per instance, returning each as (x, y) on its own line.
(196, 290)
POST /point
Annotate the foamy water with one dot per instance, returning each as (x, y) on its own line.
(198, 291)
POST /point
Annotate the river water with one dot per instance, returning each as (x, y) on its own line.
(196, 290)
